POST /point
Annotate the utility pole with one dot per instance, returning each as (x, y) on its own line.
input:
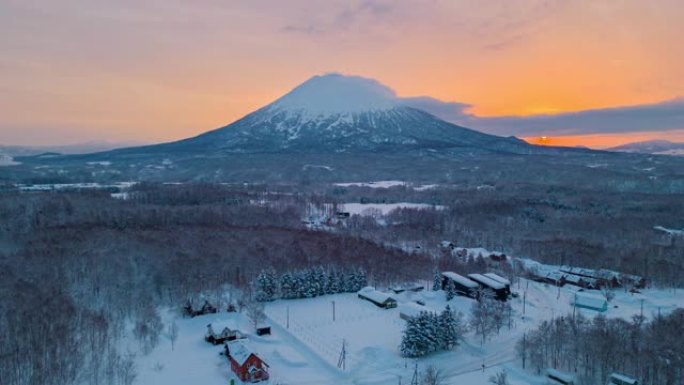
(288, 317)
(333, 307)
(524, 302)
(642, 308)
(342, 362)
(524, 349)
(414, 380)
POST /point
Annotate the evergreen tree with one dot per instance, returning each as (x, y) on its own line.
(265, 286)
(287, 287)
(450, 290)
(413, 343)
(451, 328)
(437, 282)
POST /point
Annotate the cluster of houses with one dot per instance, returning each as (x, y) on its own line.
(244, 362)
(557, 377)
(473, 284)
(585, 278)
(190, 311)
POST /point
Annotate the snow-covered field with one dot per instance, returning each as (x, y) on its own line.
(307, 352)
(388, 184)
(383, 208)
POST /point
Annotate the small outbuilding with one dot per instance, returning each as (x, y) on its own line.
(556, 377)
(263, 329)
(245, 363)
(412, 310)
(227, 334)
(414, 287)
(621, 379)
(590, 301)
(380, 299)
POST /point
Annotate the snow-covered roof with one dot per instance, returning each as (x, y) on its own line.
(573, 278)
(624, 379)
(498, 278)
(589, 300)
(460, 279)
(487, 281)
(376, 296)
(239, 351)
(565, 377)
(412, 309)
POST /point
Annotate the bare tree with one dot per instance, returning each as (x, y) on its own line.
(255, 312)
(172, 331)
(432, 376)
(500, 378)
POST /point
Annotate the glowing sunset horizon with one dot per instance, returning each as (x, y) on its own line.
(595, 74)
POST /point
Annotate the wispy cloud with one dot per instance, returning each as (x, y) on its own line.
(664, 116)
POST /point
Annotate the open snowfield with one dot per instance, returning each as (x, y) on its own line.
(308, 351)
(383, 208)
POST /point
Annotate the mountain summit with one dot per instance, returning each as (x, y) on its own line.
(336, 93)
(338, 113)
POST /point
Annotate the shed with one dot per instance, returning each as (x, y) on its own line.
(556, 377)
(411, 310)
(245, 363)
(263, 329)
(591, 302)
(378, 298)
(415, 287)
(621, 379)
(463, 285)
(227, 334)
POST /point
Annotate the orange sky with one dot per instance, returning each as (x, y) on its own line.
(155, 70)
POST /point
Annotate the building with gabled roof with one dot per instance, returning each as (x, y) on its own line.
(591, 302)
(378, 298)
(245, 363)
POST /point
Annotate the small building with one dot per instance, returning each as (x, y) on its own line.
(411, 310)
(463, 285)
(245, 363)
(378, 298)
(499, 289)
(556, 377)
(189, 311)
(227, 334)
(415, 287)
(590, 301)
(263, 329)
(621, 379)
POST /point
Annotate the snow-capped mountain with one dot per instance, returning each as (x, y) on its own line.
(658, 147)
(335, 113)
(335, 127)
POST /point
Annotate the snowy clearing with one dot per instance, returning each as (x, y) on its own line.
(308, 351)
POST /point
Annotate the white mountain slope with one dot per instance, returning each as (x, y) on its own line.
(337, 113)
(658, 147)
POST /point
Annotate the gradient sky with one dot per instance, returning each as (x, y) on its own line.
(597, 73)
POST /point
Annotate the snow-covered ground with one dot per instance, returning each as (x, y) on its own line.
(74, 186)
(383, 208)
(388, 184)
(307, 352)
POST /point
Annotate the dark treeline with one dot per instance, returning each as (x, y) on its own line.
(81, 269)
(555, 225)
(652, 351)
